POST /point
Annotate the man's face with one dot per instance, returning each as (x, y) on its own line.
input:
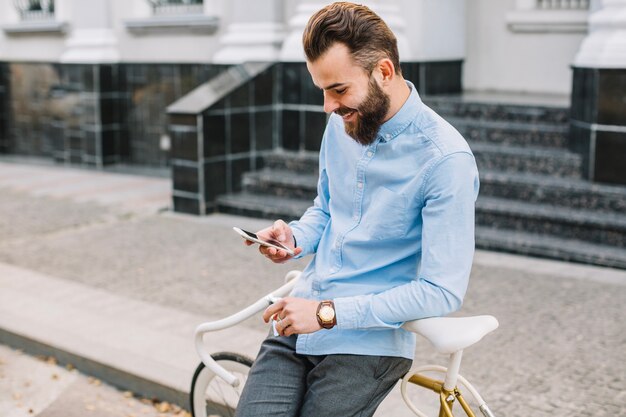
(350, 92)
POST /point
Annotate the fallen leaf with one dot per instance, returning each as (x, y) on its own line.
(163, 407)
(17, 396)
(69, 367)
(94, 381)
(127, 394)
(55, 377)
(51, 361)
(90, 407)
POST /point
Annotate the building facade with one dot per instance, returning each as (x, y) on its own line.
(90, 82)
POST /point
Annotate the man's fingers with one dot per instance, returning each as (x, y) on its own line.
(278, 230)
(273, 309)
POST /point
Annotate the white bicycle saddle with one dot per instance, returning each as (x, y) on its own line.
(451, 334)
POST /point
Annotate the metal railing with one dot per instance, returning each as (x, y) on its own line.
(562, 4)
(35, 9)
(170, 7)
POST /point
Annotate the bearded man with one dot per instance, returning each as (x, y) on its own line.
(391, 231)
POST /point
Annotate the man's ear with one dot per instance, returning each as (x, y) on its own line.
(387, 70)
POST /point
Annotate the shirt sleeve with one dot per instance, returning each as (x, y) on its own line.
(309, 229)
(449, 195)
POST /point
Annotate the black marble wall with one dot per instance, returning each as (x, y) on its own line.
(211, 151)
(439, 77)
(92, 114)
(150, 88)
(598, 122)
(301, 108)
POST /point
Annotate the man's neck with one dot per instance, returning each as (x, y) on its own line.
(399, 94)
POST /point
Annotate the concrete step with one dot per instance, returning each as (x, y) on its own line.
(496, 157)
(489, 156)
(543, 135)
(531, 188)
(262, 206)
(281, 183)
(531, 244)
(584, 225)
(460, 106)
(568, 192)
(608, 229)
(301, 162)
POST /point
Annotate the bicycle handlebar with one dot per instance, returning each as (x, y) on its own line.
(260, 304)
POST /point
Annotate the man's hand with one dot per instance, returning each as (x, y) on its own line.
(281, 232)
(293, 316)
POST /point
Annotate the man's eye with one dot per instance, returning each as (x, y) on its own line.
(340, 91)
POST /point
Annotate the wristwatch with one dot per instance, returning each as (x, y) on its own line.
(326, 314)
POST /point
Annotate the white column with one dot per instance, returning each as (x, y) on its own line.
(388, 10)
(436, 29)
(92, 38)
(292, 50)
(255, 33)
(605, 46)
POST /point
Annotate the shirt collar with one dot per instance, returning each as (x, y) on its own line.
(394, 126)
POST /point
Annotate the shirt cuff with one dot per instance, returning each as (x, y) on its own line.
(346, 312)
(300, 240)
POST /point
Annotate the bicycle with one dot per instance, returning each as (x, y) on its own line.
(220, 377)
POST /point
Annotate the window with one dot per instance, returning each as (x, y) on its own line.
(562, 4)
(185, 16)
(549, 16)
(35, 9)
(36, 17)
(170, 7)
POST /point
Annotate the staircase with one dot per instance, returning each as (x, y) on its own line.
(532, 198)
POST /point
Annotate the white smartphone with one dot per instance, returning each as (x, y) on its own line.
(269, 243)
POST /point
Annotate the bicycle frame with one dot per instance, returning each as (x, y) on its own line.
(447, 396)
(259, 305)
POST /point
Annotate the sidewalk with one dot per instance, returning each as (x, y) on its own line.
(95, 271)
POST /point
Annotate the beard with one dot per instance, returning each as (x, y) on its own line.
(370, 115)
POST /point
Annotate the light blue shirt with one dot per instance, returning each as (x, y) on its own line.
(392, 230)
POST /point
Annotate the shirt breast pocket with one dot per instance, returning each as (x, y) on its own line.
(386, 215)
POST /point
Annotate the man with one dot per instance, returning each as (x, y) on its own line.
(392, 230)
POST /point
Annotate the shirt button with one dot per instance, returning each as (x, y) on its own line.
(370, 153)
(359, 185)
(388, 136)
(316, 292)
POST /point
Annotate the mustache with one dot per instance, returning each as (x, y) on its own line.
(342, 111)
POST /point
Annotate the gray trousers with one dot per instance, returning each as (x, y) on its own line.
(283, 383)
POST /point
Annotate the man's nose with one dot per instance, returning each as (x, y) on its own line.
(330, 104)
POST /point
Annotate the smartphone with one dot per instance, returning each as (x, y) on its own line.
(269, 243)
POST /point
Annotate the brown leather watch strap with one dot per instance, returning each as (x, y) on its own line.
(329, 322)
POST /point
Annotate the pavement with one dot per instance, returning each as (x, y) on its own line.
(98, 275)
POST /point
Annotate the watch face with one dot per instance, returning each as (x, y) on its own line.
(327, 313)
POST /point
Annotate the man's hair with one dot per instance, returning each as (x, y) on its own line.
(366, 35)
